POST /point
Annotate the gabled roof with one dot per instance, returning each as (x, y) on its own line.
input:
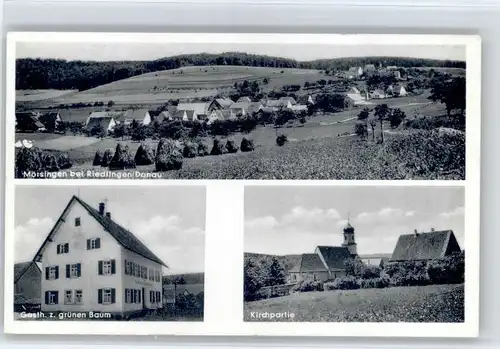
(308, 262)
(244, 99)
(224, 102)
(288, 99)
(240, 105)
(191, 115)
(102, 121)
(50, 117)
(334, 256)
(120, 234)
(199, 108)
(131, 114)
(21, 268)
(254, 107)
(425, 246)
(29, 117)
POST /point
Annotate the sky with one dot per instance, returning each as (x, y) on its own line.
(294, 220)
(170, 221)
(148, 51)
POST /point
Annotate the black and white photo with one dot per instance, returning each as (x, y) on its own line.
(354, 254)
(119, 253)
(286, 108)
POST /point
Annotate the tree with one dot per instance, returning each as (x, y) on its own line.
(120, 131)
(251, 280)
(360, 128)
(134, 124)
(396, 117)
(98, 131)
(110, 104)
(364, 114)
(450, 92)
(275, 274)
(372, 122)
(139, 134)
(382, 111)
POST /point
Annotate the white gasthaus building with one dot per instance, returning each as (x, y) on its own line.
(92, 264)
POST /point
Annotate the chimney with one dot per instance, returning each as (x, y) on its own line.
(432, 229)
(101, 208)
(415, 231)
(108, 214)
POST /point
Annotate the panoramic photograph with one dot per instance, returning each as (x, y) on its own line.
(354, 254)
(239, 111)
(98, 253)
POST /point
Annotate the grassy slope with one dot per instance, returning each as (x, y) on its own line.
(193, 82)
(190, 278)
(436, 303)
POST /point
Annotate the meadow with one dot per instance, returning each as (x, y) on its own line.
(435, 303)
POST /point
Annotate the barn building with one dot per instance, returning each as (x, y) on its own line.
(27, 285)
(92, 264)
(425, 246)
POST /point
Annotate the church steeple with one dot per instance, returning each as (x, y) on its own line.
(349, 240)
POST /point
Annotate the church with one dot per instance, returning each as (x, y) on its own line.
(327, 262)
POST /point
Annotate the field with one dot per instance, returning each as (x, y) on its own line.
(188, 82)
(436, 303)
(38, 95)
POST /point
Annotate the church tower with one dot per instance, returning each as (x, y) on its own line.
(349, 241)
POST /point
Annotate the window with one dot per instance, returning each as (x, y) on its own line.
(52, 273)
(51, 297)
(106, 296)
(93, 244)
(151, 297)
(128, 295)
(135, 296)
(62, 248)
(68, 297)
(136, 270)
(107, 267)
(73, 271)
(127, 268)
(144, 273)
(77, 221)
(158, 296)
(78, 297)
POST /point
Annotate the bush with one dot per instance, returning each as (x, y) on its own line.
(447, 270)
(202, 148)
(190, 150)
(145, 155)
(64, 162)
(106, 157)
(217, 148)
(379, 282)
(27, 160)
(168, 155)
(247, 145)
(49, 162)
(122, 159)
(408, 273)
(307, 286)
(370, 272)
(281, 140)
(231, 147)
(343, 283)
(98, 158)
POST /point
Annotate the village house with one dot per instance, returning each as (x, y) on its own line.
(102, 119)
(355, 72)
(327, 262)
(278, 104)
(92, 264)
(397, 90)
(141, 116)
(425, 246)
(27, 285)
(239, 109)
(51, 120)
(254, 107)
(219, 104)
(378, 94)
(172, 292)
(244, 100)
(28, 122)
(306, 99)
(285, 100)
(194, 111)
(376, 259)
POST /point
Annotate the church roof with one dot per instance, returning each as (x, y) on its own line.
(308, 262)
(334, 256)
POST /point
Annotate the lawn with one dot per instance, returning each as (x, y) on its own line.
(435, 303)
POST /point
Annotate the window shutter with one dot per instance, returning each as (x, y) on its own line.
(46, 297)
(139, 292)
(134, 296)
(126, 269)
(46, 273)
(67, 271)
(151, 296)
(79, 269)
(88, 244)
(66, 248)
(98, 243)
(113, 296)
(113, 267)
(58, 251)
(100, 267)
(57, 296)
(99, 296)
(125, 295)
(158, 297)
(57, 272)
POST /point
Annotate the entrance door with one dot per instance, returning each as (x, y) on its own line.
(143, 298)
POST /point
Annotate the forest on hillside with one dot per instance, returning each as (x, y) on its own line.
(59, 74)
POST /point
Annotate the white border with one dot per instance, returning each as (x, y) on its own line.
(224, 230)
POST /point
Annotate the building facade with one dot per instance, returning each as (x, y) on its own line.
(92, 264)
